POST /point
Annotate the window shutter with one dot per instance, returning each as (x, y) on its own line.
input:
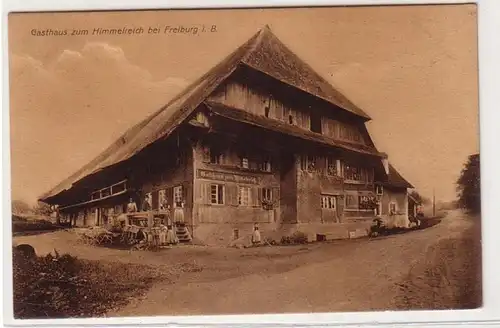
(232, 195)
(205, 193)
(222, 197)
(254, 194)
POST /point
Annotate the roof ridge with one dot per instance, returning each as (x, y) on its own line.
(323, 89)
(259, 36)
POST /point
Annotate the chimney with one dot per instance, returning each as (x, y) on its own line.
(385, 162)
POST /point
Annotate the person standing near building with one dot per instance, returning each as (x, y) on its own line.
(256, 236)
(131, 206)
(146, 205)
(171, 238)
(168, 215)
(179, 213)
(163, 233)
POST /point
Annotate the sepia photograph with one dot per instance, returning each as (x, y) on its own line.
(244, 161)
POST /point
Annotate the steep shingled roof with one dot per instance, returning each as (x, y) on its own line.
(272, 57)
(395, 179)
(262, 52)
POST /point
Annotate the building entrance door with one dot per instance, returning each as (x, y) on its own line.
(328, 208)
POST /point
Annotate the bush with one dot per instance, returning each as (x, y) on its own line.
(17, 218)
(270, 241)
(65, 286)
(299, 238)
(21, 226)
(296, 238)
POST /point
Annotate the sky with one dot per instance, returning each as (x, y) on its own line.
(413, 69)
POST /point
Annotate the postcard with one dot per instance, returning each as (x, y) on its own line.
(244, 161)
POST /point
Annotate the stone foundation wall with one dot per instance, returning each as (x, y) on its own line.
(224, 234)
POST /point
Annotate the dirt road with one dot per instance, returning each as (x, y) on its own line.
(346, 276)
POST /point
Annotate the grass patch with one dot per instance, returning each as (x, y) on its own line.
(68, 287)
(26, 225)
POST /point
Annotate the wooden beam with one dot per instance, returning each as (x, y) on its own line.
(94, 200)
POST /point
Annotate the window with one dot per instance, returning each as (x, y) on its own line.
(215, 156)
(244, 162)
(119, 187)
(290, 119)
(351, 173)
(328, 202)
(315, 123)
(244, 196)
(354, 173)
(217, 194)
(162, 199)
(265, 164)
(106, 192)
(392, 208)
(367, 202)
(267, 194)
(331, 166)
(351, 201)
(95, 195)
(379, 190)
(178, 196)
(308, 163)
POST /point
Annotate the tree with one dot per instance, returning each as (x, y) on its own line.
(421, 199)
(20, 207)
(469, 186)
(42, 208)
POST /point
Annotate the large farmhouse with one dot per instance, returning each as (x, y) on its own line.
(259, 139)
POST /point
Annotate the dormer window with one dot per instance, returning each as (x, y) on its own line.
(265, 165)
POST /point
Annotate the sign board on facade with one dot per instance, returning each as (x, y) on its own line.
(227, 177)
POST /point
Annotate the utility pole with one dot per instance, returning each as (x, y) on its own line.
(433, 203)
